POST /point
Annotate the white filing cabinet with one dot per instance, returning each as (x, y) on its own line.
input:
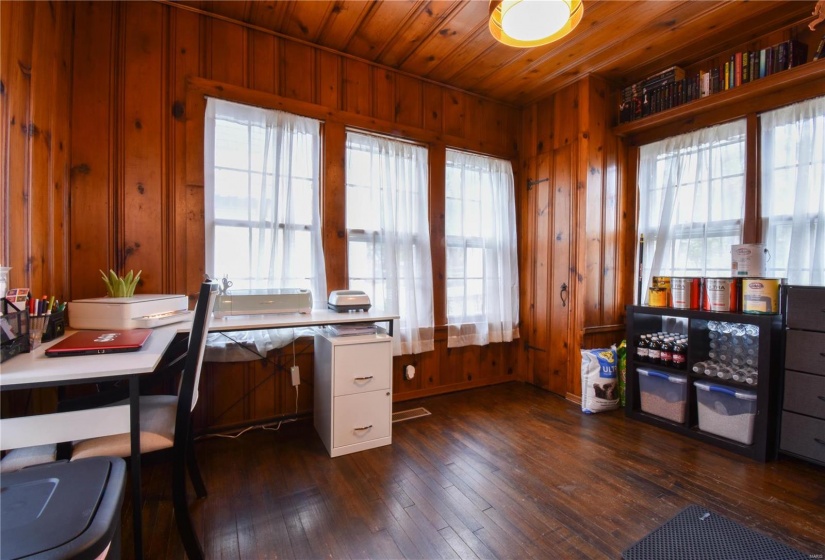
(353, 391)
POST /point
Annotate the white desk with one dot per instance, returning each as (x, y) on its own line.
(35, 369)
(297, 320)
(27, 371)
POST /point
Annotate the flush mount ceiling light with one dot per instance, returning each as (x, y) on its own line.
(530, 23)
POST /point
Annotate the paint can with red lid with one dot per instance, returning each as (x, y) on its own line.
(684, 292)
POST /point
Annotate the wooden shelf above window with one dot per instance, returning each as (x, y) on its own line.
(782, 88)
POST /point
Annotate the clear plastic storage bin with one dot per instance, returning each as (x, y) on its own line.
(726, 411)
(663, 394)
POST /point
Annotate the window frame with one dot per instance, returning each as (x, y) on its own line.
(249, 226)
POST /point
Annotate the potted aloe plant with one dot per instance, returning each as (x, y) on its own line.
(120, 286)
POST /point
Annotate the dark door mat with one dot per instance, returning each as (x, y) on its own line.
(699, 534)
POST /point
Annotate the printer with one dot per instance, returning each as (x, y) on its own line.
(343, 301)
(140, 311)
(265, 301)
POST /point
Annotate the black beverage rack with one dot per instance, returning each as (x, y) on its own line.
(644, 319)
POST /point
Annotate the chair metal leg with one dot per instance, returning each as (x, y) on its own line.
(191, 544)
(194, 469)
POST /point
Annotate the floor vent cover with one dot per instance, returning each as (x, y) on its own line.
(409, 414)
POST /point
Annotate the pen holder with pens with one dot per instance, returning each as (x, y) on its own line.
(55, 326)
(14, 331)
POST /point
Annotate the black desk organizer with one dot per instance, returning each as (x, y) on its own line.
(14, 331)
(55, 327)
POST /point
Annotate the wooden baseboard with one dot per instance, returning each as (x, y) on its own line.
(574, 398)
(430, 392)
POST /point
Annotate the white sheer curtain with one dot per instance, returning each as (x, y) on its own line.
(482, 261)
(793, 191)
(263, 227)
(388, 234)
(692, 202)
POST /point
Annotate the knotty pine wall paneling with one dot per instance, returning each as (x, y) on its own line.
(137, 155)
(94, 157)
(35, 100)
(574, 224)
(35, 71)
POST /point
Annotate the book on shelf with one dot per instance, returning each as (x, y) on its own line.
(797, 53)
(704, 83)
(754, 65)
(716, 79)
(672, 74)
(820, 50)
(763, 61)
(737, 66)
(746, 74)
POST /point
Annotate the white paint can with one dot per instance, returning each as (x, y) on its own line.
(749, 260)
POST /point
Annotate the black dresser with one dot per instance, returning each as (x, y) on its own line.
(803, 409)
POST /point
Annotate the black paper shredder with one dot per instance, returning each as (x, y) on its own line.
(63, 510)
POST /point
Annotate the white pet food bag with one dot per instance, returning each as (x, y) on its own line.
(600, 388)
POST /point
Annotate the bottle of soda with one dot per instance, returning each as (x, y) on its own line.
(666, 352)
(654, 352)
(679, 355)
(642, 348)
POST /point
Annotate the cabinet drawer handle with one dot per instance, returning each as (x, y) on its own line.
(819, 441)
(364, 428)
(820, 397)
(367, 378)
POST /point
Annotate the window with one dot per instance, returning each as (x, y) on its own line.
(482, 262)
(388, 234)
(692, 202)
(262, 198)
(793, 191)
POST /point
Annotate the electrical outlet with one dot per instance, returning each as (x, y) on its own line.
(296, 377)
(409, 372)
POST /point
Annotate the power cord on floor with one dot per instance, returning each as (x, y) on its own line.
(267, 427)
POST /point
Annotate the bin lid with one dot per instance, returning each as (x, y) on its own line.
(672, 377)
(733, 392)
(48, 506)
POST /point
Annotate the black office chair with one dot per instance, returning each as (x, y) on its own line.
(166, 422)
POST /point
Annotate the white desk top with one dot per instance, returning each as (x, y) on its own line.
(295, 320)
(36, 368)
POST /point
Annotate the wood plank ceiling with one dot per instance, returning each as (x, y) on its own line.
(447, 41)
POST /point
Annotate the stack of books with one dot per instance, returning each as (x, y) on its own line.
(671, 88)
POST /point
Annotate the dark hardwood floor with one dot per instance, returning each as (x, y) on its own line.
(508, 471)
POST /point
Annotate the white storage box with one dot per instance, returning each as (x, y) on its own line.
(726, 411)
(143, 311)
(663, 394)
